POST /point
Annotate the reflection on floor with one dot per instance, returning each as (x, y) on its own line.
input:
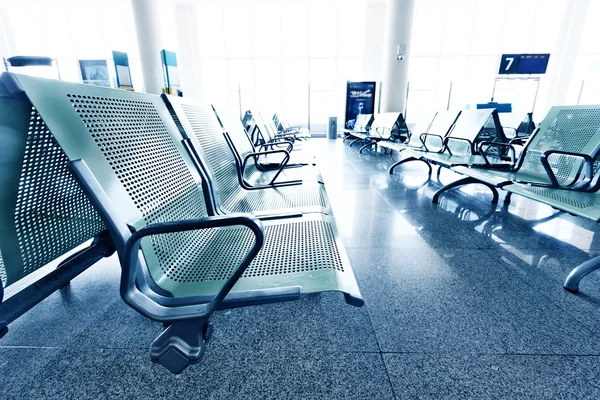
(463, 300)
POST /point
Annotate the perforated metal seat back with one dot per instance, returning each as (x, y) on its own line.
(573, 129)
(43, 212)
(236, 131)
(441, 125)
(474, 126)
(133, 148)
(362, 122)
(383, 124)
(202, 126)
(513, 119)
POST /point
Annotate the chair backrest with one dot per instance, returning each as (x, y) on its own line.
(390, 125)
(476, 126)
(266, 128)
(134, 150)
(200, 124)
(573, 129)
(363, 122)
(441, 125)
(44, 214)
(236, 131)
(516, 124)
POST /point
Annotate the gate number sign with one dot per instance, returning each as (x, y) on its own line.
(523, 64)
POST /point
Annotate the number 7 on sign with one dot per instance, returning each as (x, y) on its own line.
(510, 61)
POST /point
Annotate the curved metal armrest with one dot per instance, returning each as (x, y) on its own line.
(271, 145)
(589, 163)
(423, 137)
(457, 139)
(382, 132)
(520, 141)
(513, 153)
(129, 262)
(282, 165)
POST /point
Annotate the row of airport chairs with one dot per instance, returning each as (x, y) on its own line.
(201, 217)
(557, 164)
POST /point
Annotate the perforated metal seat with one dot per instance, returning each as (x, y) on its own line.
(573, 129)
(471, 127)
(126, 151)
(257, 171)
(199, 123)
(44, 213)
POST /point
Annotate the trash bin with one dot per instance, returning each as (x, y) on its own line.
(332, 128)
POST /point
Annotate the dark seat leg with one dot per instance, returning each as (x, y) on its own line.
(507, 198)
(577, 274)
(369, 144)
(180, 344)
(391, 169)
(465, 181)
(354, 141)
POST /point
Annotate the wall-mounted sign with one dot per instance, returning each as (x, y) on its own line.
(123, 72)
(524, 64)
(360, 99)
(171, 73)
(94, 72)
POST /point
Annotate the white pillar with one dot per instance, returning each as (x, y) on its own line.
(148, 21)
(398, 32)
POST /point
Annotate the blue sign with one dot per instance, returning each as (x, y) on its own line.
(524, 64)
(360, 99)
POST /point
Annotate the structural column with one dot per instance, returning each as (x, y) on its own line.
(396, 54)
(148, 22)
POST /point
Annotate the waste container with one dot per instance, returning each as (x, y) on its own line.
(332, 128)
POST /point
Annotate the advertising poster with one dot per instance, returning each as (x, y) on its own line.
(360, 99)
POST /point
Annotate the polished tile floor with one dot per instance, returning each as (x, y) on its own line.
(463, 300)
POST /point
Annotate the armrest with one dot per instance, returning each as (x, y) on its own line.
(423, 137)
(270, 146)
(457, 139)
(513, 153)
(589, 163)
(154, 310)
(282, 165)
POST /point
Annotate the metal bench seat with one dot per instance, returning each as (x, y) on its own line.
(45, 217)
(254, 165)
(271, 140)
(568, 139)
(362, 124)
(201, 128)
(432, 139)
(458, 147)
(383, 126)
(181, 263)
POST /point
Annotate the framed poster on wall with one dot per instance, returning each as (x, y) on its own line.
(360, 99)
(94, 72)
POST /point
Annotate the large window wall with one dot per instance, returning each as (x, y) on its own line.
(585, 82)
(460, 41)
(268, 53)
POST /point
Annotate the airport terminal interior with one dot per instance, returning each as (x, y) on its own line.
(299, 199)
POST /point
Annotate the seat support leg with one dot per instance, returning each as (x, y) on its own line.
(369, 144)
(180, 344)
(465, 181)
(396, 164)
(507, 198)
(577, 274)
(354, 141)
